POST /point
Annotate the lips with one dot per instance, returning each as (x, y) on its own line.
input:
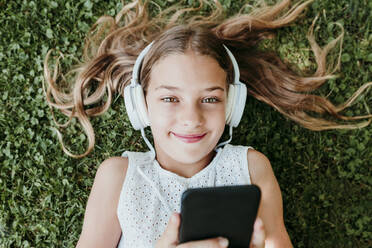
(189, 138)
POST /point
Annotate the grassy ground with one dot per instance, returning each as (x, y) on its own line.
(325, 176)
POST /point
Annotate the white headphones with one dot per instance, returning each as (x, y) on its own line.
(136, 106)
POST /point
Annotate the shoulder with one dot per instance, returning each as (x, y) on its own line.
(101, 226)
(111, 172)
(115, 166)
(110, 176)
(109, 179)
(259, 167)
(262, 175)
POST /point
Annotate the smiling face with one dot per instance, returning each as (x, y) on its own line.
(186, 99)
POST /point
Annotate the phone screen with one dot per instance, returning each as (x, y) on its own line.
(227, 211)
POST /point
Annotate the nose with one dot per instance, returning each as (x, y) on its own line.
(191, 115)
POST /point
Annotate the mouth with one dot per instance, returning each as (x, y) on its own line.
(189, 138)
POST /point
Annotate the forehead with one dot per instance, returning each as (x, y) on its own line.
(187, 70)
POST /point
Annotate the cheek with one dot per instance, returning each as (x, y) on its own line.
(217, 112)
(216, 119)
(159, 116)
(221, 120)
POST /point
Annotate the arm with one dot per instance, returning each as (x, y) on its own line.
(101, 226)
(271, 206)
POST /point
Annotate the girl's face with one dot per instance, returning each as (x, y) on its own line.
(186, 100)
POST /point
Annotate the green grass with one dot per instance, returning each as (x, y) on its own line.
(325, 177)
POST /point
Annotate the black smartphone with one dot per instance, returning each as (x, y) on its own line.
(227, 211)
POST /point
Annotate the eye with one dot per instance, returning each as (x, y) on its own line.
(211, 100)
(169, 99)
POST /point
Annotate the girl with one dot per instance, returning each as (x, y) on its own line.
(186, 85)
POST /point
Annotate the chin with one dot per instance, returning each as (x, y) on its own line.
(188, 156)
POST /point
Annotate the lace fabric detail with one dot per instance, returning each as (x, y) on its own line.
(150, 193)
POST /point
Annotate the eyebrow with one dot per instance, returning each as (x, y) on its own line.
(178, 89)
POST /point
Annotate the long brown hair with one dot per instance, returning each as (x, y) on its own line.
(113, 44)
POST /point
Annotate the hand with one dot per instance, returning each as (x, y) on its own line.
(169, 239)
(258, 236)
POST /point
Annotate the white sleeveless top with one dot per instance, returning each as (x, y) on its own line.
(150, 194)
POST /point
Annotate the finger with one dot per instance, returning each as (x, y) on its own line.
(170, 234)
(258, 236)
(219, 242)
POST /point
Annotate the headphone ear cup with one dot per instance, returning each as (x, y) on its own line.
(238, 103)
(141, 106)
(136, 106)
(229, 103)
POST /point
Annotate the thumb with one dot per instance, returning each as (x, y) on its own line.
(171, 231)
(170, 234)
(258, 237)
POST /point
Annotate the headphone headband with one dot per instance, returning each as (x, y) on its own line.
(138, 63)
(139, 60)
(235, 65)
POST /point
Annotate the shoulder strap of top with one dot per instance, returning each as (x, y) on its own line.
(247, 164)
(135, 159)
(238, 153)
